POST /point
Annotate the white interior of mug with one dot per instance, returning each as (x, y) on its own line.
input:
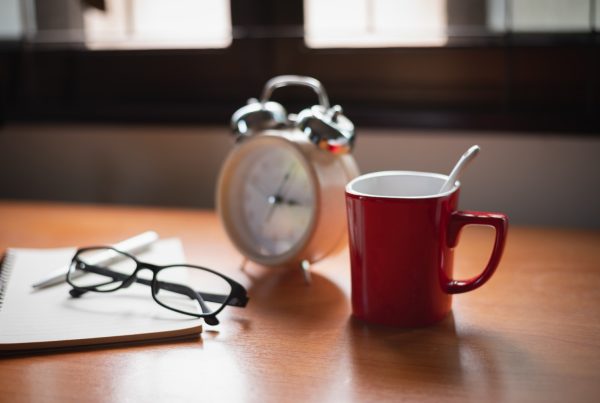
(400, 184)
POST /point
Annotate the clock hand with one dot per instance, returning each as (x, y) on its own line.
(287, 176)
(276, 199)
(273, 200)
(291, 202)
(281, 200)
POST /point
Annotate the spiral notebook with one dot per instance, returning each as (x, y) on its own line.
(49, 318)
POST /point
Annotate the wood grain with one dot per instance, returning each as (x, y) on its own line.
(530, 334)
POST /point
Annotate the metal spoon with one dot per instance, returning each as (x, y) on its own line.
(459, 167)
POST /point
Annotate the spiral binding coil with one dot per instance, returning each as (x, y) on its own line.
(5, 272)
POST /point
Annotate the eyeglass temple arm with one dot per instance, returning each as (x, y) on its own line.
(236, 300)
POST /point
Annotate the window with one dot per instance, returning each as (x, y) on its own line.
(11, 26)
(119, 24)
(375, 23)
(158, 24)
(553, 15)
(491, 64)
(403, 23)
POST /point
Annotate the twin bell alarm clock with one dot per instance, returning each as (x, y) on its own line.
(280, 192)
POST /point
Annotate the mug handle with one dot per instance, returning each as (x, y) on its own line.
(458, 220)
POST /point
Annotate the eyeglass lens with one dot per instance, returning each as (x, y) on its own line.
(102, 269)
(213, 288)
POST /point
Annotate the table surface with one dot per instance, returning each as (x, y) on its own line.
(531, 334)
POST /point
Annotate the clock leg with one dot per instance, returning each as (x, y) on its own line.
(305, 266)
(243, 265)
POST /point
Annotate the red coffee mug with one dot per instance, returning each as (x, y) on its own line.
(402, 232)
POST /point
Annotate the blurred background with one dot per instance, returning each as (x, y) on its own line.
(129, 101)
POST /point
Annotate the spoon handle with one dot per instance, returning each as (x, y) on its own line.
(464, 160)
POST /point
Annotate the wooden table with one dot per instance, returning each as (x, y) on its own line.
(531, 334)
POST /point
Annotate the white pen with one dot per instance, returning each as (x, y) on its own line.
(135, 244)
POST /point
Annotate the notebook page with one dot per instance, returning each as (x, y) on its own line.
(51, 317)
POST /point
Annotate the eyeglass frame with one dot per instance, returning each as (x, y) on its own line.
(237, 297)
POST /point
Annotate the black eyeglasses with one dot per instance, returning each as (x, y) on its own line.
(175, 287)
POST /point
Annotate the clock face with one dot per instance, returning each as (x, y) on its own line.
(270, 197)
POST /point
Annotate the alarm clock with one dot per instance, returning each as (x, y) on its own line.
(280, 194)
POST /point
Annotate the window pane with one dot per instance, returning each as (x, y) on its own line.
(11, 26)
(496, 15)
(375, 23)
(381, 23)
(159, 24)
(551, 15)
(130, 24)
